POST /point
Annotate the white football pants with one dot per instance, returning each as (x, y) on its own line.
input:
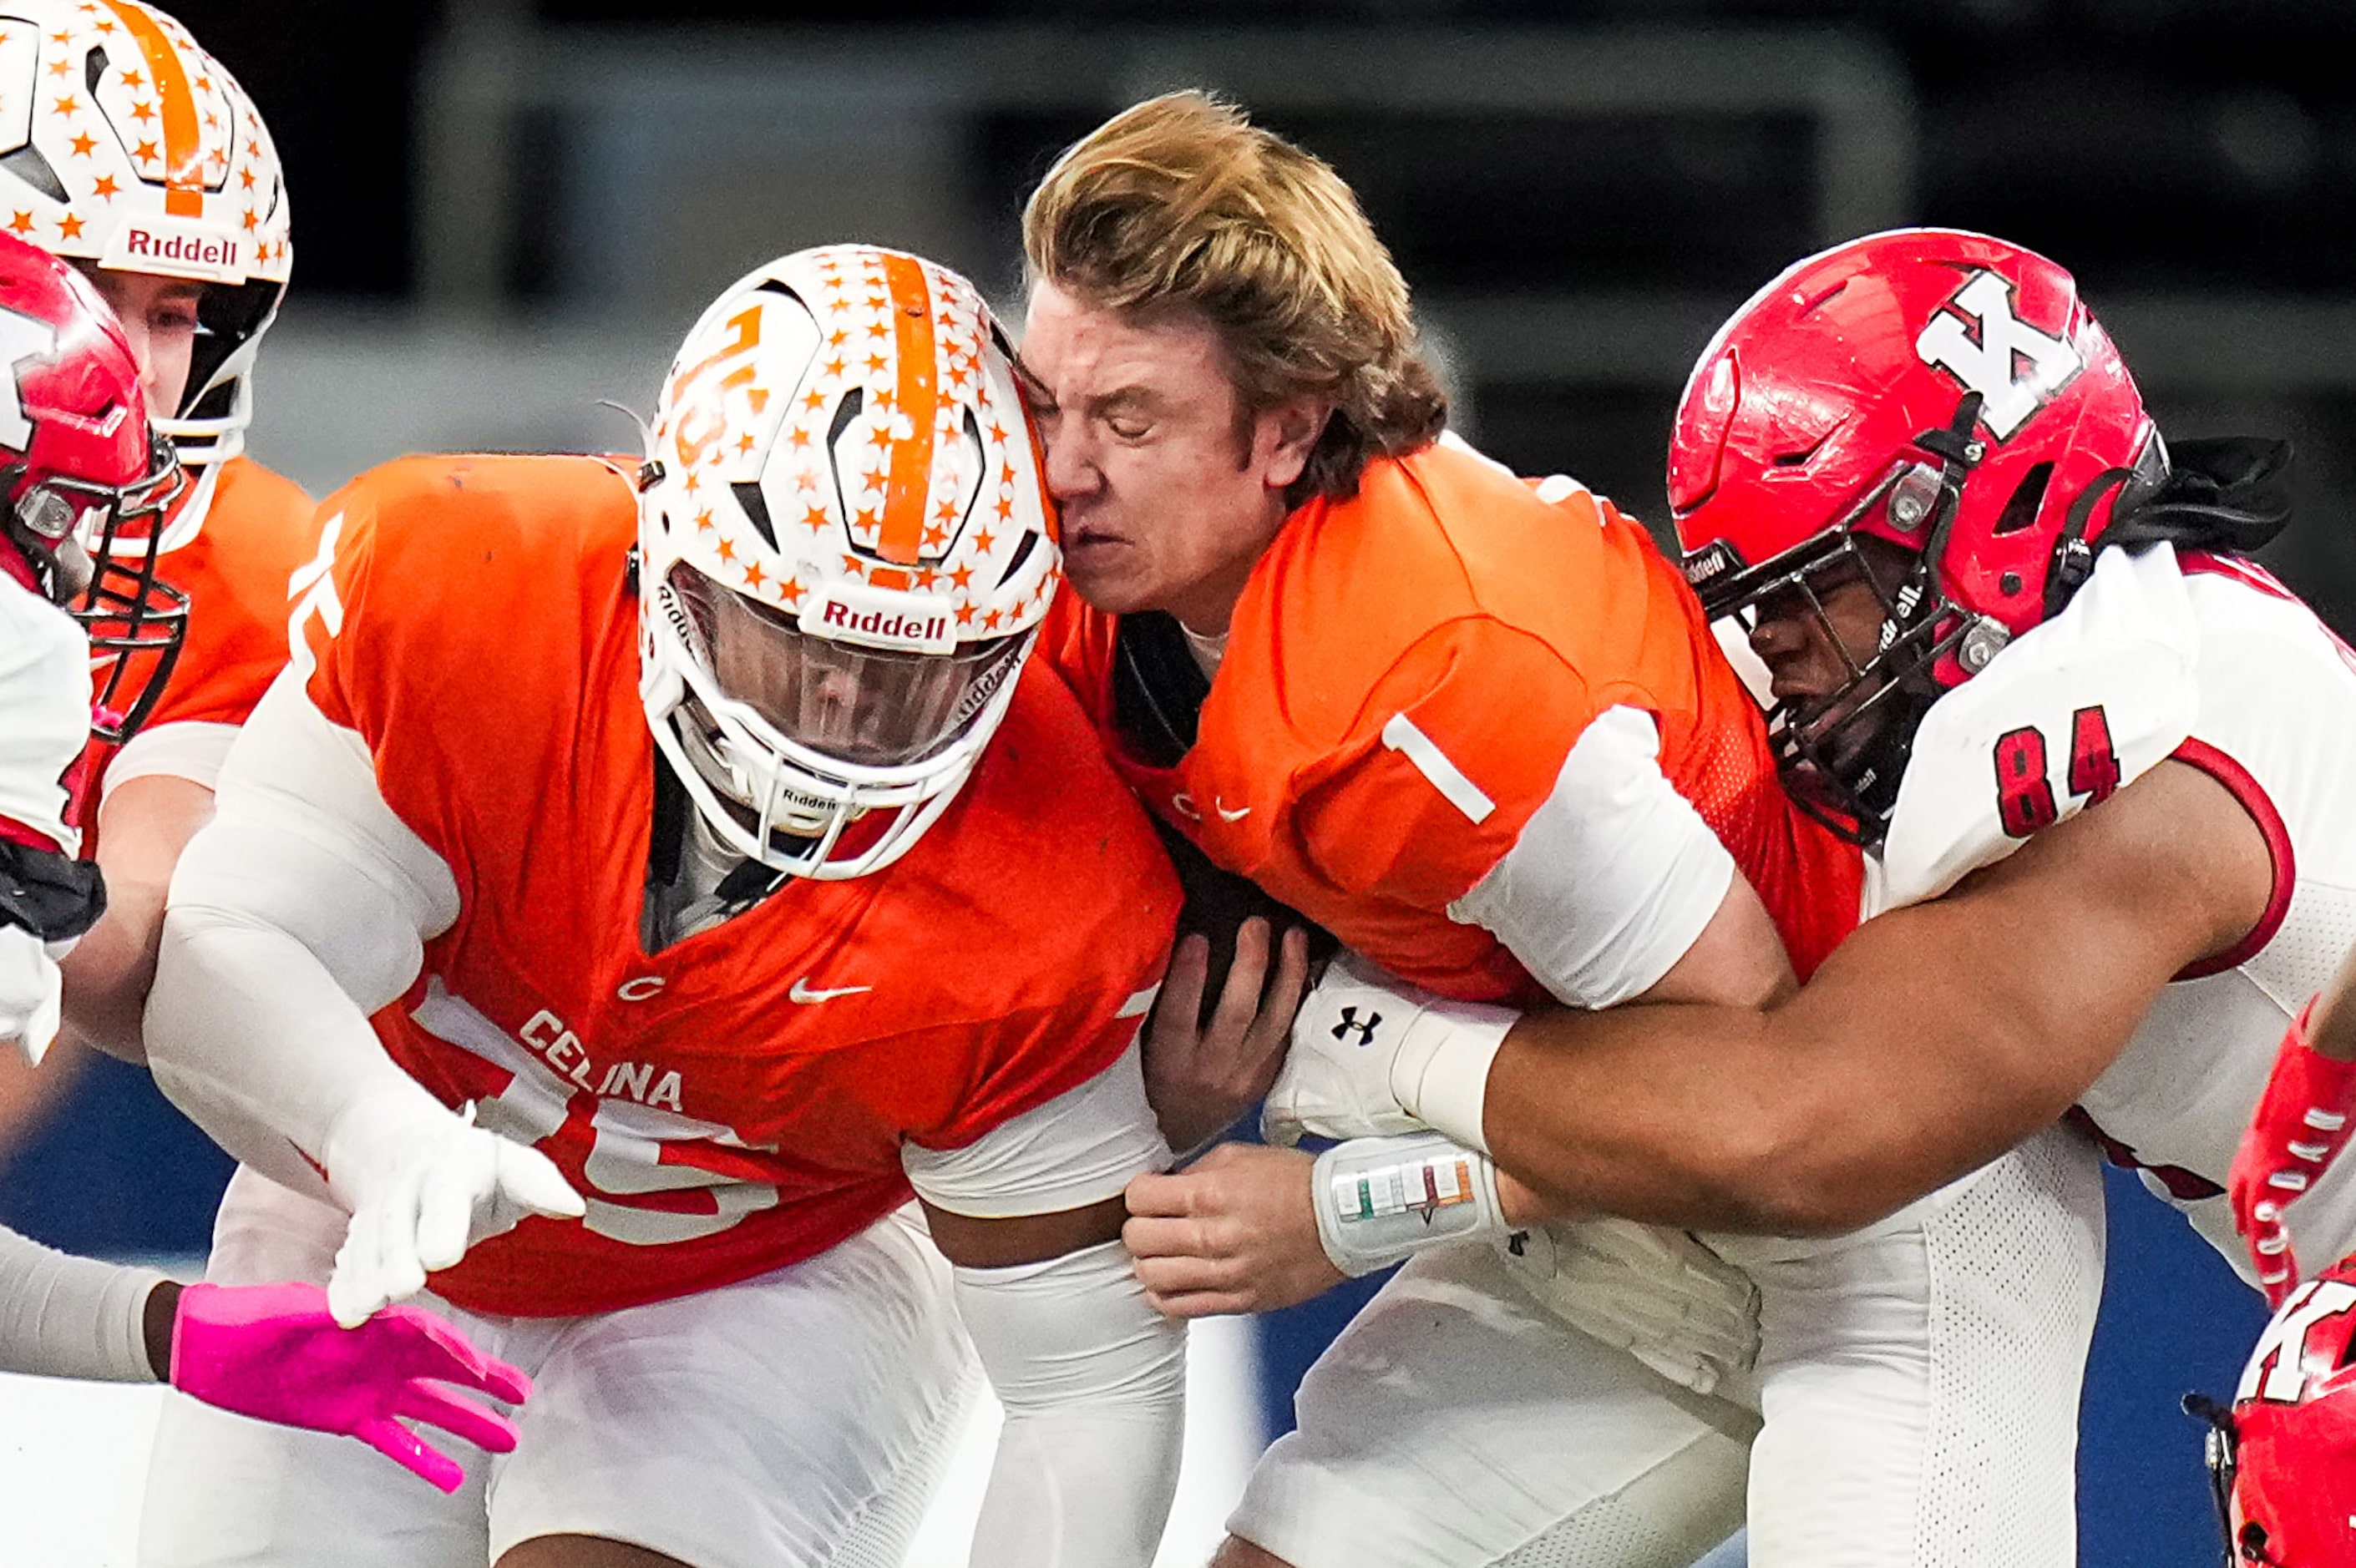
(1915, 1405)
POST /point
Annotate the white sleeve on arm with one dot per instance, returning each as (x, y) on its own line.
(1093, 1380)
(1080, 1148)
(1613, 876)
(64, 1316)
(300, 909)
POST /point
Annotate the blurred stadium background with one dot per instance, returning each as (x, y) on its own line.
(507, 210)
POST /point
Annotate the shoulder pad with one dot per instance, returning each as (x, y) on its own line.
(2071, 709)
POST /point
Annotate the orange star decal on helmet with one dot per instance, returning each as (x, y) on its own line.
(142, 112)
(65, 105)
(815, 519)
(69, 227)
(133, 81)
(961, 576)
(703, 520)
(84, 143)
(726, 549)
(965, 614)
(105, 187)
(1006, 508)
(984, 540)
(21, 224)
(753, 575)
(146, 153)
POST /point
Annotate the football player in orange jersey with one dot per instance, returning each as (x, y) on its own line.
(709, 897)
(1480, 730)
(146, 166)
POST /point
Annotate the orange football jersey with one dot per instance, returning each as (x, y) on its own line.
(257, 532)
(1447, 607)
(737, 1101)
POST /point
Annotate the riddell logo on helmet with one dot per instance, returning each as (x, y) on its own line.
(1714, 561)
(849, 614)
(836, 616)
(180, 251)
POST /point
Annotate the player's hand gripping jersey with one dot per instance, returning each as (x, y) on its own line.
(739, 1100)
(1403, 740)
(2208, 661)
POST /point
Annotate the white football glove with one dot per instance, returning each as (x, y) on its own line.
(30, 993)
(1373, 1057)
(1659, 1295)
(422, 1186)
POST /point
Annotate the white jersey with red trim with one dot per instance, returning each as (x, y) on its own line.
(2209, 661)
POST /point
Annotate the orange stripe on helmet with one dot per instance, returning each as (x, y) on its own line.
(909, 488)
(184, 173)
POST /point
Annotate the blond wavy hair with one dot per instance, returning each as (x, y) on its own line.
(1182, 203)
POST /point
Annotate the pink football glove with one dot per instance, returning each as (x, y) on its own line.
(2302, 1121)
(272, 1351)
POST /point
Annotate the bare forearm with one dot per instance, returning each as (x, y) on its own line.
(143, 828)
(1906, 1062)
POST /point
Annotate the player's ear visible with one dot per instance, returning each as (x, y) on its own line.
(1288, 433)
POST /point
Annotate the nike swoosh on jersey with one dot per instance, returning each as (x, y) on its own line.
(802, 992)
(1225, 815)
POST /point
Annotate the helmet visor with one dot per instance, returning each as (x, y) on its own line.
(877, 708)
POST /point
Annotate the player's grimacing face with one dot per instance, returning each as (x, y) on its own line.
(159, 318)
(1168, 495)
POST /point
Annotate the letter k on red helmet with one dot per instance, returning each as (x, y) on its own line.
(1944, 392)
(2282, 1462)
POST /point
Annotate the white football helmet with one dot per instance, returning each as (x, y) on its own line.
(123, 144)
(845, 552)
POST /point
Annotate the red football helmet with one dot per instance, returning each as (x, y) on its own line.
(2283, 1461)
(1945, 392)
(80, 469)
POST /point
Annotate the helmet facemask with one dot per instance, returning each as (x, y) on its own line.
(136, 621)
(786, 740)
(1843, 753)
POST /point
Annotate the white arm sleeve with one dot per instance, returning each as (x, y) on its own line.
(1094, 1382)
(63, 1316)
(1080, 1148)
(300, 909)
(189, 749)
(44, 710)
(1613, 876)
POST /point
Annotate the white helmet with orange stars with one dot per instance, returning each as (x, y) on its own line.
(845, 552)
(123, 144)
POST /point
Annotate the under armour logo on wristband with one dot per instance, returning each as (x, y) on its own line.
(1350, 1021)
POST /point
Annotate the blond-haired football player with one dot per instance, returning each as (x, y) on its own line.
(1481, 731)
